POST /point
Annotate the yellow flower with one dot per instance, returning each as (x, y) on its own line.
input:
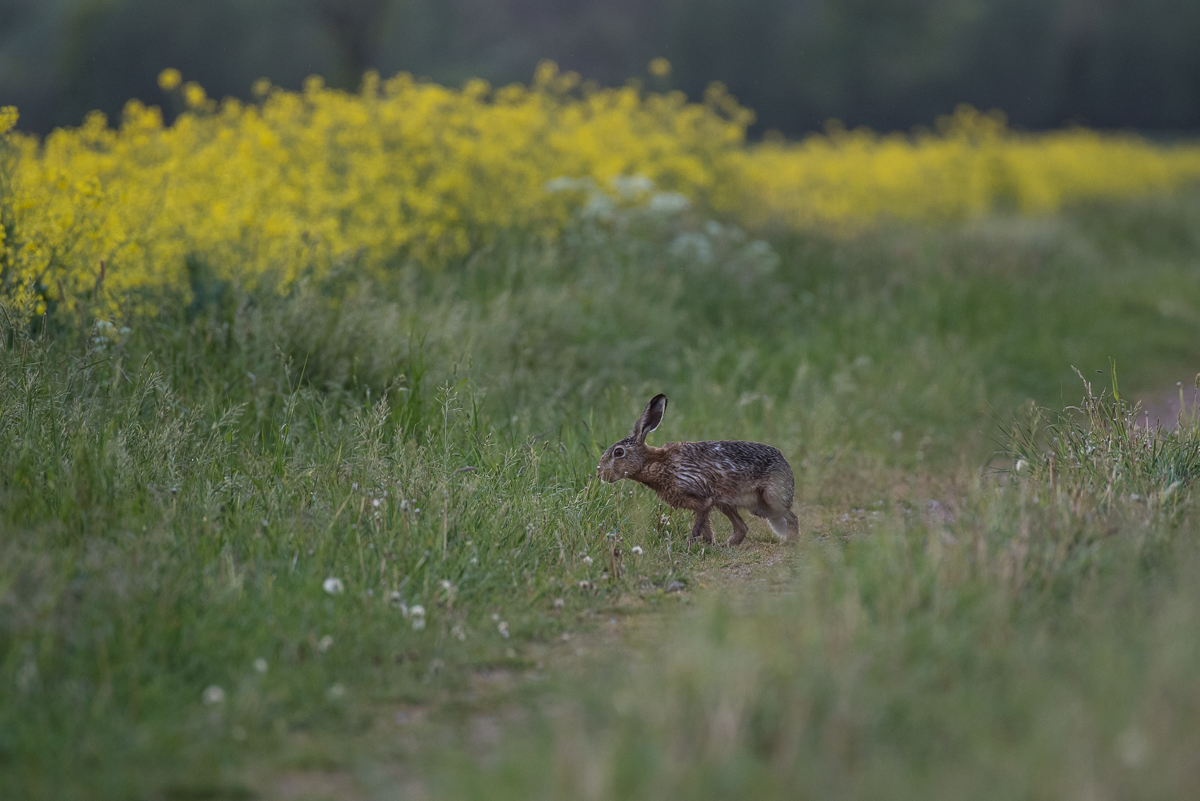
(169, 79)
(660, 67)
(305, 183)
(8, 118)
(193, 95)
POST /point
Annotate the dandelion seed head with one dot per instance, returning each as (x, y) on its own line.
(417, 614)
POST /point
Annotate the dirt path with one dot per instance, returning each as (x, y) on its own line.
(496, 700)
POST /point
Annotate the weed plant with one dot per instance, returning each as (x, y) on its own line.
(1106, 448)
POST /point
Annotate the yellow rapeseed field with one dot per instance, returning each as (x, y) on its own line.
(311, 181)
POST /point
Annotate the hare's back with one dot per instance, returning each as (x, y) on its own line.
(732, 461)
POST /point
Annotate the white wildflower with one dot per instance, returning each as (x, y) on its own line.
(417, 614)
(587, 560)
(334, 586)
(337, 691)
(668, 203)
(598, 207)
(637, 549)
(260, 665)
(213, 695)
(397, 602)
(691, 245)
(325, 643)
(503, 629)
(567, 184)
(629, 186)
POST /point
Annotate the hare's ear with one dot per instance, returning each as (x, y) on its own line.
(650, 418)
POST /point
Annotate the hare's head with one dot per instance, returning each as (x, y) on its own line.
(624, 458)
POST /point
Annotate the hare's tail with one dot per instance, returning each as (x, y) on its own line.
(786, 525)
(777, 507)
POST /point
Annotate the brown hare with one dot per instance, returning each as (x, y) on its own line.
(703, 476)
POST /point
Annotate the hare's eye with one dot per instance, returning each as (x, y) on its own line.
(618, 453)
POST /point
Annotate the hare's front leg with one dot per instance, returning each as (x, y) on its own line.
(702, 528)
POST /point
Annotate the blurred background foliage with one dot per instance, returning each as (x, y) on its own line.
(887, 64)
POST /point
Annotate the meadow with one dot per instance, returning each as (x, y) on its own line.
(295, 523)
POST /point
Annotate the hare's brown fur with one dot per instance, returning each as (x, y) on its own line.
(702, 476)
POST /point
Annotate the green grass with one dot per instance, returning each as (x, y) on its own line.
(173, 498)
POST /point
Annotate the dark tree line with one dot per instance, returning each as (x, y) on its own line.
(889, 64)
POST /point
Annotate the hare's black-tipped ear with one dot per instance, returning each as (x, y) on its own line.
(650, 418)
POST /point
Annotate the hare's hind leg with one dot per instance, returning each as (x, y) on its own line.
(739, 526)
